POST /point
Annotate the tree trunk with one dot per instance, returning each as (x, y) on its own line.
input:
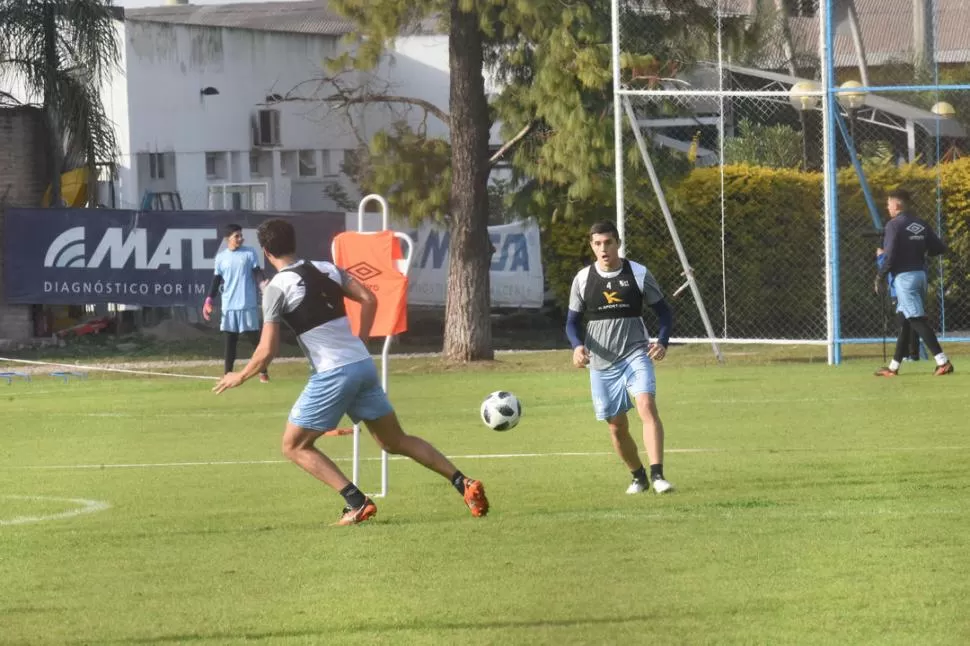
(923, 46)
(56, 156)
(468, 328)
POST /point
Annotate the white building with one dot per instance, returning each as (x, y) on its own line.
(198, 109)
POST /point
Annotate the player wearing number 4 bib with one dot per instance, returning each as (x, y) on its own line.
(609, 295)
(309, 298)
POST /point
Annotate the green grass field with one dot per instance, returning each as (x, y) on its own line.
(814, 505)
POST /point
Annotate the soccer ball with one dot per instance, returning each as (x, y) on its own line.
(501, 411)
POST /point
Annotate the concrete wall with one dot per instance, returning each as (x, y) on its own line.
(23, 172)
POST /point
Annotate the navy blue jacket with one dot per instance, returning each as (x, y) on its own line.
(906, 243)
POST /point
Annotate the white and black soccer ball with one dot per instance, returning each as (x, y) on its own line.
(501, 411)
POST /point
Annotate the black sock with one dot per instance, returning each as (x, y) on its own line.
(355, 497)
(656, 472)
(232, 340)
(640, 475)
(458, 482)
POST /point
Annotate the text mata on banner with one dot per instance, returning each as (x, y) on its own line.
(152, 258)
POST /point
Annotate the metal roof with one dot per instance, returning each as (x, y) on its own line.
(312, 17)
(887, 32)
(923, 118)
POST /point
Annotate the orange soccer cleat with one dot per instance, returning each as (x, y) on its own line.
(475, 497)
(945, 369)
(352, 516)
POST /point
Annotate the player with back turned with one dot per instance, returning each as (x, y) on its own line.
(309, 298)
(906, 243)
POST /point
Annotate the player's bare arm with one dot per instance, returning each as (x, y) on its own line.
(357, 291)
(269, 345)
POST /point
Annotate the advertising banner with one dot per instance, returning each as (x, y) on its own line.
(148, 258)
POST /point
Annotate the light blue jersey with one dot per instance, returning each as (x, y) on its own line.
(239, 285)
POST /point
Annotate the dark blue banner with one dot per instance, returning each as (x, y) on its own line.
(152, 258)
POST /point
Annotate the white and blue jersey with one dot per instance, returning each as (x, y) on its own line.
(239, 285)
(308, 297)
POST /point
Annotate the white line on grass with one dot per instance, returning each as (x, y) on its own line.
(218, 463)
(85, 507)
(127, 371)
(473, 456)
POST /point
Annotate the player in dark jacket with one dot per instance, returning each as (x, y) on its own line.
(908, 240)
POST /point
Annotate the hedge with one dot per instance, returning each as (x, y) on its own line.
(774, 247)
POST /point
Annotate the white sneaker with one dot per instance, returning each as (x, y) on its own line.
(661, 486)
(637, 487)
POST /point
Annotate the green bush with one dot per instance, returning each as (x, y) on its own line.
(773, 249)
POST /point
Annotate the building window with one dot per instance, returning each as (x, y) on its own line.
(289, 162)
(266, 128)
(308, 163)
(156, 165)
(255, 169)
(216, 166)
(326, 164)
(351, 162)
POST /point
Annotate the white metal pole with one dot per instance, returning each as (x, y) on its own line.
(688, 272)
(720, 150)
(618, 127)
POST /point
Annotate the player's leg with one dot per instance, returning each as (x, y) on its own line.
(922, 327)
(623, 443)
(902, 347)
(387, 432)
(908, 302)
(653, 439)
(611, 403)
(229, 356)
(370, 405)
(912, 295)
(319, 409)
(913, 350)
(229, 324)
(642, 384)
(299, 446)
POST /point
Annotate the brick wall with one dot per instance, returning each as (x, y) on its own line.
(23, 172)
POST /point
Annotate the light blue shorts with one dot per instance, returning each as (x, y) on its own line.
(240, 321)
(612, 388)
(354, 389)
(910, 289)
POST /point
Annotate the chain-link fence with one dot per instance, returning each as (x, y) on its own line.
(775, 130)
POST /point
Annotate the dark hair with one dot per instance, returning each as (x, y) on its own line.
(900, 194)
(231, 229)
(604, 227)
(277, 237)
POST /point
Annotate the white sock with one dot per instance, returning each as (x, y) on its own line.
(941, 359)
(894, 365)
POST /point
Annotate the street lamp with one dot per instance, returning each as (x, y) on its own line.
(851, 101)
(943, 109)
(804, 96)
(946, 110)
